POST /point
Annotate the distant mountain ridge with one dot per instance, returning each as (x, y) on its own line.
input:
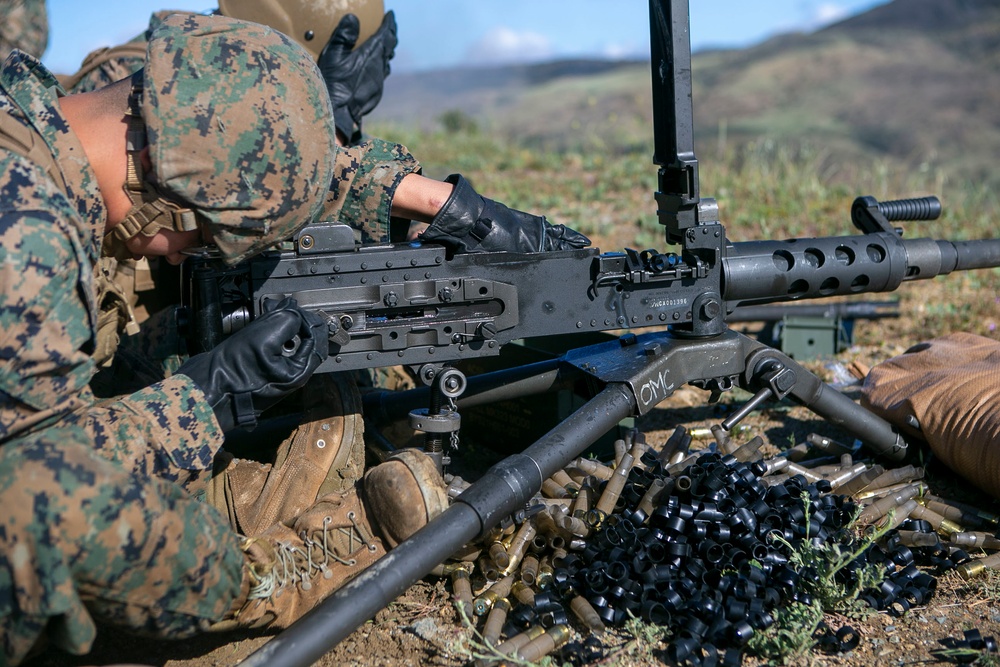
(912, 80)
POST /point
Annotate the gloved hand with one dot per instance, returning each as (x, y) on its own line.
(257, 366)
(469, 222)
(354, 76)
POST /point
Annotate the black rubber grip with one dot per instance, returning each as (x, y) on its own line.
(922, 208)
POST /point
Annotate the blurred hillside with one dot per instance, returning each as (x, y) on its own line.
(914, 83)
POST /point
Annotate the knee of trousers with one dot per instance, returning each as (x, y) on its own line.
(83, 538)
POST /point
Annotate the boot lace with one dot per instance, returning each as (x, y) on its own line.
(299, 564)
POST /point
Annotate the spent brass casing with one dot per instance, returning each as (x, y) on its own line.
(498, 554)
(523, 593)
(595, 468)
(461, 588)
(858, 482)
(562, 478)
(749, 450)
(552, 489)
(672, 444)
(578, 476)
(907, 473)
(846, 474)
(621, 449)
(940, 524)
(519, 545)
(913, 538)
(613, 489)
(796, 469)
(482, 604)
(683, 462)
(902, 513)
(827, 445)
(585, 611)
(705, 433)
(498, 533)
(881, 507)
(545, 574)
(972, 568)
(574, 526)
(541, 646)
(637, 449)
(722, 439)
(825, 470)
(545, 523)
(488, 569)
(581, 504)
(517, 641)
(965, 510)
(774, 465)
(879, 493)
(653, 493)
(529, 569)
(797, 453)
(772, 480)
(500, 589)
(976, 539)
(495, 621)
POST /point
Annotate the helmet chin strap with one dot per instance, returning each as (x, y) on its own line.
(150, 211)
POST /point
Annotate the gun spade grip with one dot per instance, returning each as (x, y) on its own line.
(921, 208)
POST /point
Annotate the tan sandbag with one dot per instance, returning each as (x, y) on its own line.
(951, 385)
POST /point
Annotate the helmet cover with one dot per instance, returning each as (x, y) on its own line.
(239, 127)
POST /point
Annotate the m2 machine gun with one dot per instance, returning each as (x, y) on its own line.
(410, 304)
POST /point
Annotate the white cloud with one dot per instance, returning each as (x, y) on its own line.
(828, 13)
(502, 45)
(620, 51)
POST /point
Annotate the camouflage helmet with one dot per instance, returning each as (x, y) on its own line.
(310, 22)
(239, 127)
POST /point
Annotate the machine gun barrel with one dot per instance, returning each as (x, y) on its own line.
(771, 271)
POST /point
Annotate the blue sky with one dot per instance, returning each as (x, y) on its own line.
(449, 33)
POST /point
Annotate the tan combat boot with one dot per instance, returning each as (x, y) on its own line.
(324, 454)
(293, 566)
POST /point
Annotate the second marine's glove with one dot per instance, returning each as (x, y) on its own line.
(257, 366)
(469, 222)
(354, 76)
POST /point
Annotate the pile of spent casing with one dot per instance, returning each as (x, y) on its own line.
(700, 542)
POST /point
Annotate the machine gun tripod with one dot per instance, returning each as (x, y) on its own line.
(650, 367)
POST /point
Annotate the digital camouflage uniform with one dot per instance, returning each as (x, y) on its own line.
(99, 518)
(96, 518)
(24, 26)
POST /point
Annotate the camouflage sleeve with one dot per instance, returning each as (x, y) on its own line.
(45, 324)
(167, 430)
(364, 181)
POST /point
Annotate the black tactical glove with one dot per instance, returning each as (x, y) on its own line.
(354, 77)
(469, 222)
(254, 368)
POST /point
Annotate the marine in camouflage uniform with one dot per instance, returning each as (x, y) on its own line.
(99, 519)
(25, 26)
(133, 293)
